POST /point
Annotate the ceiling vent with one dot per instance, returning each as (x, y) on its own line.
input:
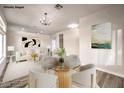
(58, 6)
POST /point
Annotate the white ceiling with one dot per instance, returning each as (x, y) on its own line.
(29, 16)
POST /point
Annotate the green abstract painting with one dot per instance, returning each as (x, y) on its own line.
(101, 36)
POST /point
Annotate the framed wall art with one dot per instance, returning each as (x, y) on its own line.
(101, 36)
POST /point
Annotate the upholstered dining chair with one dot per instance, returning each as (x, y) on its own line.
(39, 79)
(49, 62)
(86, 77)
(72, 61)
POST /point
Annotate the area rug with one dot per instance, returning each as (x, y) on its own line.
(21, 82)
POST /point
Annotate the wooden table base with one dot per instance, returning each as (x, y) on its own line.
(64, 78)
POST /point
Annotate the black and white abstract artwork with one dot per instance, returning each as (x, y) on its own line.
(30, 42)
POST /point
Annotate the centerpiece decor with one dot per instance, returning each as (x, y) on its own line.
(34, 56)
(61, 53)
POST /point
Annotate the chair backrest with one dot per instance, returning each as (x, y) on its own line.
(86, 76)
(72, 61)
(49, 62)
(41, 80)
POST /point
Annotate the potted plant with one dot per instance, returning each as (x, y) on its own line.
(61, 52)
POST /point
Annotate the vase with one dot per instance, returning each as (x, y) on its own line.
(34, 58)
(61, 60)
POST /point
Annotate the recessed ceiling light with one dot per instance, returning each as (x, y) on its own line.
(73, 25)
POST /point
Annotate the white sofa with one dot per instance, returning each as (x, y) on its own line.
(21, 56)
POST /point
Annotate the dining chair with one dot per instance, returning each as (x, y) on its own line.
(86, 77)
(39, 79)
(49, 62)
(72, 61)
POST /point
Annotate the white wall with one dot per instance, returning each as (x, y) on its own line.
(71, 41)
(14, 38)
(105, 58)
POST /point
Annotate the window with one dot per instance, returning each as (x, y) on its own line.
(1, 46)
(53, 45)
(2, 24)
(2, 40)
(61, 40)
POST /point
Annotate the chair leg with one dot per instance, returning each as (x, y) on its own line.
(92, 83)
(36, 81)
